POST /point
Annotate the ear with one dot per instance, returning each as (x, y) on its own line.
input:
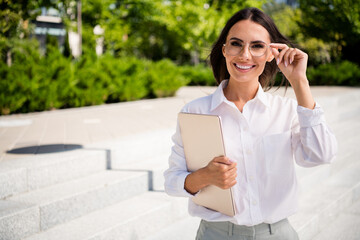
(223, 50)
(270, 57)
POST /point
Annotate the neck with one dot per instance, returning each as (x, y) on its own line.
(241, 92)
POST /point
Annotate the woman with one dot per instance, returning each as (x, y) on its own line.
(263, 134)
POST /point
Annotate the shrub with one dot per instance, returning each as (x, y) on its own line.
(18, 82)
(38, 83)
(199, 75)
(165, 78)
(126, 79)
(344, 73)
(90, 82)
(12, 90)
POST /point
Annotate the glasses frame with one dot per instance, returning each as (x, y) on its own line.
(267, 46)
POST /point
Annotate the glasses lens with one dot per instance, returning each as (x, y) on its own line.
(258, 49)
(233, 48)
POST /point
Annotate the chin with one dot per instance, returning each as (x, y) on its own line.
(244, 79)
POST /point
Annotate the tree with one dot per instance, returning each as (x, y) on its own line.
(14, 23)
(334, 21)
(286, 19)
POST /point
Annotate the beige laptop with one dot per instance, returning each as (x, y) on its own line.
(202, 140)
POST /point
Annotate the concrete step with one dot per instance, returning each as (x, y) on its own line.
(340, 107)
(137, 147)
(184, 229)
(63, 202)
(155, 167)
(324, 203)
(316, 208)
(27, 174)
(344, 227)
(338, 103)
(346, 127)
(348, 153)
(134, 219)
(18, 220)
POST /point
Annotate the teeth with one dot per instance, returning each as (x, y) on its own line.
(243, 67)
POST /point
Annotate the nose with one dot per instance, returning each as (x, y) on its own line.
(245, 52)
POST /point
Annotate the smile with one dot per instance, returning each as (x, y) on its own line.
(243, 67)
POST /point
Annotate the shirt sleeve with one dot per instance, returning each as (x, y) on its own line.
(313, 142)
(177, 172)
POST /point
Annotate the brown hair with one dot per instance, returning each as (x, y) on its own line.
(217, 60)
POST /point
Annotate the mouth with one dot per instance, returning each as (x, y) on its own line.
(243, 67)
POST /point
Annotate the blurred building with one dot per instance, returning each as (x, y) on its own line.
(48, 24)
(288, 2)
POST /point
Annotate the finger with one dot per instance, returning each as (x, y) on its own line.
(287, 56)
(223, 160)
(232, 166)
(275, 53)
(228, 168)
(232, 183)
(292, 55)
(233, 175)
(278, 45)
(279, 54)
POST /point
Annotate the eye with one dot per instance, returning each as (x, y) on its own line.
(236, 44)
(258, 46)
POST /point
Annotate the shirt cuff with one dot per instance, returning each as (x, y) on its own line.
(181, 185)
(310, 117)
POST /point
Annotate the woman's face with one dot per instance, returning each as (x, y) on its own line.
(244, 67)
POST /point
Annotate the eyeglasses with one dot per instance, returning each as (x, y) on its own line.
(257, 49)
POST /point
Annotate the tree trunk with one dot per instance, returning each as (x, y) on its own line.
(79, 26)
(8, 58)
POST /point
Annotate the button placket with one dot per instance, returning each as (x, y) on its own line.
(250, 169)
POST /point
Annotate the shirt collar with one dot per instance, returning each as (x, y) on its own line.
(219, 97)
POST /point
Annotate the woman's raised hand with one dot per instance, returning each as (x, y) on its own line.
(291, 61)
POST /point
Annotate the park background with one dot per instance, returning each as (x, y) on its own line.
(130, 50)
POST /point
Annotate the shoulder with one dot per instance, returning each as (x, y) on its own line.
(200, 105)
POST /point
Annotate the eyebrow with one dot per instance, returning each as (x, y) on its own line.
(238, 39)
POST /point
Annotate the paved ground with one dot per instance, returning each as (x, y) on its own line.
(23, 135)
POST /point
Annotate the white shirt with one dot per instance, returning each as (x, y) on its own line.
(264, 140)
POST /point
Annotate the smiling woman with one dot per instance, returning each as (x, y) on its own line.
(264, 135)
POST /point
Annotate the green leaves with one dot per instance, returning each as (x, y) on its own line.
(333, 21)
(35, 83)
(341, 73)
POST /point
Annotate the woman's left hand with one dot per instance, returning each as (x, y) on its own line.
(291, 61)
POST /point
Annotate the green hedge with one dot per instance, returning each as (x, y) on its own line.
(344, 74)
(35, 83)
(199, 75)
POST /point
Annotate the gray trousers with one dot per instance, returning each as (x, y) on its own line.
(281, 230)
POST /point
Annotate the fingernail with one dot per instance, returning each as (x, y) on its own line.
(286, 64)
(277, 61)
(291, 60)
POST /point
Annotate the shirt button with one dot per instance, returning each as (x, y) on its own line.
(249, 152)
(245, 128)
(254, 202)
(251, 178)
